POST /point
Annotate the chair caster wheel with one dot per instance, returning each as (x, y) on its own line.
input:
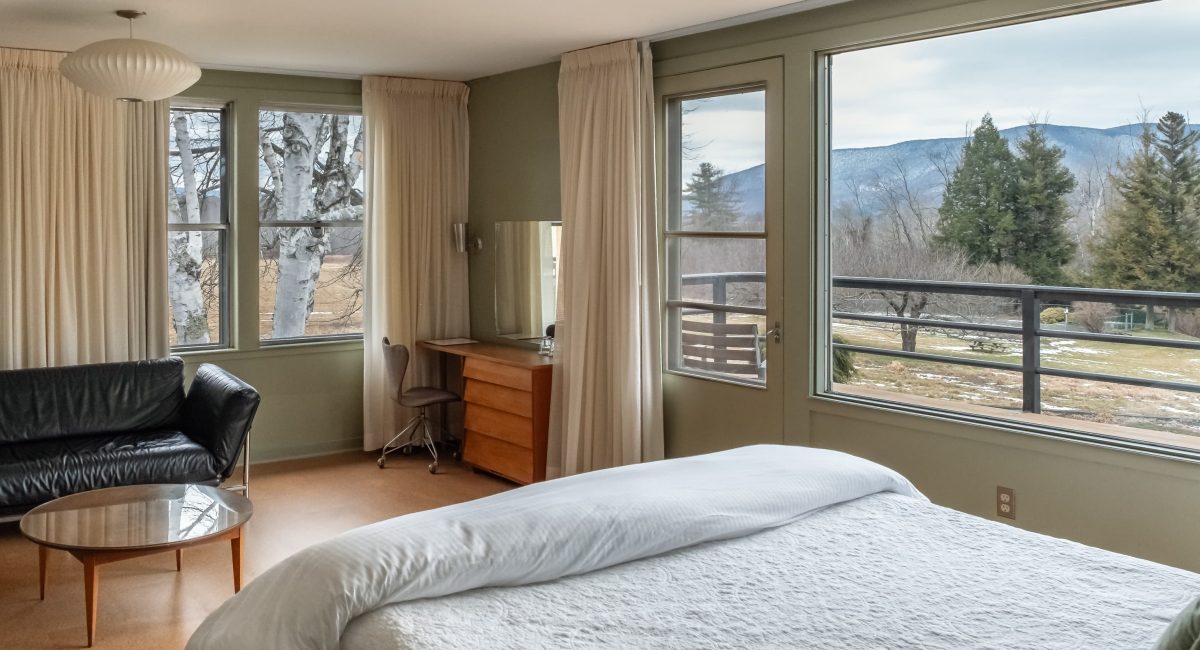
(406, 451)
(433, 468)
(381, 462)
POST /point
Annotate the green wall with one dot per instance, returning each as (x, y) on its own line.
(513, 173)
(1135, 504)
(311, 392)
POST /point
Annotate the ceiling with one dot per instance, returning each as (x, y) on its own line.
(445, 39)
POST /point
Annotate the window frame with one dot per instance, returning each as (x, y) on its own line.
(223, 229)
(673, 230)
(284, 107)
(822, 347)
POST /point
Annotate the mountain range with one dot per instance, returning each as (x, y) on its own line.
(1089, 152)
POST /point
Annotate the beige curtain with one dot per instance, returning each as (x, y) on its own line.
(83, 201)
(416, 283)
(607, 401)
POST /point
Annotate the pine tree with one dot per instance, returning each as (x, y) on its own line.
(978, 213)
(1041, 244)
(1177, 147)
(1142, 247)
(714, 206)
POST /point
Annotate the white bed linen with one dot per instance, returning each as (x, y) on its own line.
(884, 571)
(537, 533)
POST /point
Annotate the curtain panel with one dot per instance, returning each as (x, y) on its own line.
(607, 399)
(83, 202)
(416, 283)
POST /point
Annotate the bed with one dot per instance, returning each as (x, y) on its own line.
(764, 546)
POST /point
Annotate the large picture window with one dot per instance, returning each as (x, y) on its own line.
(310, 225)
(1042, 264)
(198, 226)
(716, 235)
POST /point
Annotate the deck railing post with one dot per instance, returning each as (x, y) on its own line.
(1031, 349)
(718, 297)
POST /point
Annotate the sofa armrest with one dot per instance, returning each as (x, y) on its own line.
(218, 412)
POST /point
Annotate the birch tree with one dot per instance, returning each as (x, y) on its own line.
(313, 168)
(185, 249)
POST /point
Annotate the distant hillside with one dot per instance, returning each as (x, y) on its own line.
(1088, 151)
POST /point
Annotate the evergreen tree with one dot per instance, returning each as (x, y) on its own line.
(1041, 244)
(1181, 167)
(714, 206)
(1142, 246)
(978, 213)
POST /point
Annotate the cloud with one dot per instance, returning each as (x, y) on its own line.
(1098, 69)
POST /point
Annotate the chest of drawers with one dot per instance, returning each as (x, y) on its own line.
(506, 391)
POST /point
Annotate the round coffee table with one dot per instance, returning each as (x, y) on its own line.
(112, 524)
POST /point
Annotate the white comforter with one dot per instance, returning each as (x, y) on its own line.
(881, 572)
(537, 533)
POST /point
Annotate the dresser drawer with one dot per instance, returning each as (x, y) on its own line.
(493, 455)
(499, 374)
(510, 428)
(501, 398)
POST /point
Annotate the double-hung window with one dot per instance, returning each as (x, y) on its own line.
(198, 227)
(310, 224)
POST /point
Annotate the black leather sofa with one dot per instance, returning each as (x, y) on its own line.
(71, 429)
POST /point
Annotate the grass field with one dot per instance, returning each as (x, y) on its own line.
(1092, 401)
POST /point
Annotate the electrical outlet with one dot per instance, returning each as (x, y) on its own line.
(1006, 502)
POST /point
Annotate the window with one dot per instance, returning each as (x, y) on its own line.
(716, 234)
(1041, 266)
(310, 225)
(198, 227)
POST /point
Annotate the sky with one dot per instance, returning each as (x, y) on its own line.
(1099, 69)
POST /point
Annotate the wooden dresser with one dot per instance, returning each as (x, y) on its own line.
(507, 394)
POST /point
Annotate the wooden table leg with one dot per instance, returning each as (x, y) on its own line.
(178, 559)
(235, 544)
(43, 556)
(91, 589)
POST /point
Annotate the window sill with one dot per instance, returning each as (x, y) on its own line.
(298, 348)
(1107, 436)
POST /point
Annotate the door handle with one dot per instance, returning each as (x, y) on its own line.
(776, 332)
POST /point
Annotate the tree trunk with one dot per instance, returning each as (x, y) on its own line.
(908, 338)
(302, 249)
(185, 251)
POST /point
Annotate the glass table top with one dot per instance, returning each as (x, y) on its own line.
(136, 516)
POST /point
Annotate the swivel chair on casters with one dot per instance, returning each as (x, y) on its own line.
(421, 397)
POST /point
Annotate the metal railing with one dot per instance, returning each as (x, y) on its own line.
(1028, 301)
(720, 294)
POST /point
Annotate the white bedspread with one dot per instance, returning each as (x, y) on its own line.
(534, 534)
(883, 571)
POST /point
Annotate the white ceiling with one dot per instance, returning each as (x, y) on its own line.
(445, 39)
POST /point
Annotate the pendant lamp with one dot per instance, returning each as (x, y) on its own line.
(130, 69)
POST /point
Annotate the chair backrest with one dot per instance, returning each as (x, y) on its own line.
(730, 348)
(395, 359)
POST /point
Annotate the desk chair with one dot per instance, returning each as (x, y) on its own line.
(420, 397)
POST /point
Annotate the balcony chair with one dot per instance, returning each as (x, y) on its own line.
(396, 359)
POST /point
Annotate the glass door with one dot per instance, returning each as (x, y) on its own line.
(721, 142)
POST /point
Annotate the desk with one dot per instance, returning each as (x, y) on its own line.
(506, 390)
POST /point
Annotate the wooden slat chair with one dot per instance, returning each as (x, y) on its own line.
(729, 348)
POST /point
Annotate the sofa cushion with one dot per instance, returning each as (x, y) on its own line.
(44, 403)
(32, 473)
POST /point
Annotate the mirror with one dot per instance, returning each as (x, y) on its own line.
(526, 277)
